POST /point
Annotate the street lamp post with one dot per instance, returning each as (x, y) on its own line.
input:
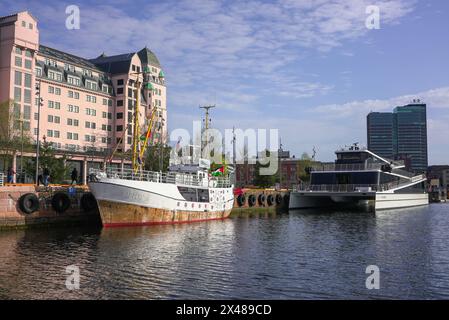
(39, 103)
(22, 178)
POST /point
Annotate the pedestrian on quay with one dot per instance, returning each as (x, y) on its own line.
(74, 176)
(46, 175)
(10, 175)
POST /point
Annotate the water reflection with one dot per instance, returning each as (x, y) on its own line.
(303, 254)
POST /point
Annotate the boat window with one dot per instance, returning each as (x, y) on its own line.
(360, 178)
(203, 195)
(194, 194)
(189, 194)
(387, 178)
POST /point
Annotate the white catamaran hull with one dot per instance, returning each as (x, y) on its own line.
(127, 202)
(377, 201)
(400, 200)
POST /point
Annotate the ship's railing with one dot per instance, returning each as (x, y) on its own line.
(2, 179)
(403, 173)
(337, 187)
(347, 167)
(177, 178)
(355, 187)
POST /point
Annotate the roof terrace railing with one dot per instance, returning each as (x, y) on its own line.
(178, 178)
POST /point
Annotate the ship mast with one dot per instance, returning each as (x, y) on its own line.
(136, 130)
(206, 125)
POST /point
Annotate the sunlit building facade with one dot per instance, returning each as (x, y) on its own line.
(87, 105)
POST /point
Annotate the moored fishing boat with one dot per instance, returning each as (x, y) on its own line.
(186, 193)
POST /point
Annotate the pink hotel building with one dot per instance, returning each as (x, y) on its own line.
(87, 104)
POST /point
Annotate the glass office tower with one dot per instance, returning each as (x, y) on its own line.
(411, 128)
(380, 129)
(400, 135)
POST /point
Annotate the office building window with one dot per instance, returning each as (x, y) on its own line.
(29, 65)
(27, 82)
(17, 94)
(119, 90)
(18, 78)
(120, 115)
(120, 82)
(18, 62)
(27, 96)
(27, 112)
(119, 103)
(119, 128)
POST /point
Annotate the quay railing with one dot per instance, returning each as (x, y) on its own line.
(178, 178)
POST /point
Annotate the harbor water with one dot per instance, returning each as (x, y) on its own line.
(296, 255)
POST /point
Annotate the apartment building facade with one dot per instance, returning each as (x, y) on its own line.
(87, 105)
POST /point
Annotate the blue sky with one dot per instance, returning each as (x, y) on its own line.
(309, 68)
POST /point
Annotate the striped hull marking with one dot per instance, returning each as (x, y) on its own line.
(115, 214)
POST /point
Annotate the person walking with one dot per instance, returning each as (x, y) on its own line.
(74, 176)
(46, 175)
(10, 175)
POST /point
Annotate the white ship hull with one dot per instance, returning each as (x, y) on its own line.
(129, 202)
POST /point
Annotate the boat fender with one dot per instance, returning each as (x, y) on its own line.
(261, 199)
(270, 199)
(88, 202)
(241, 200)
(60, 202)
(29, 203)
(278, 199)
(251, 200)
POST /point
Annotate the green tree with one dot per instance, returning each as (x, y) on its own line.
(261, 180)
(157, 155)
(303, 166)
(12, 133)
(59, 170)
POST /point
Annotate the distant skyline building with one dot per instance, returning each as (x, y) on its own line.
(401, 134)
(380, 127)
